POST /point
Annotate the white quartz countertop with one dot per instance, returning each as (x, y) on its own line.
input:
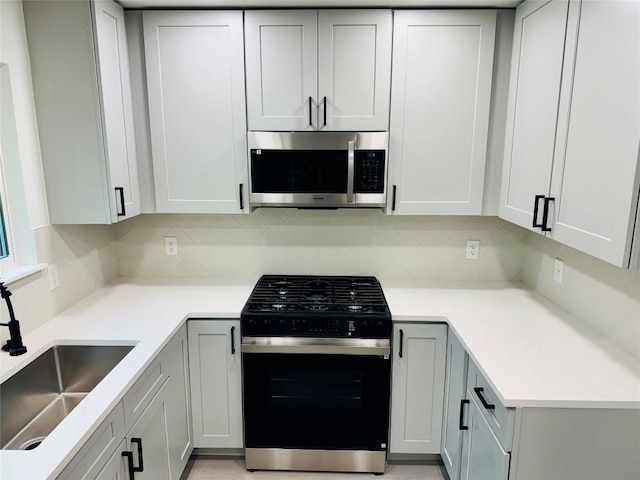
(532, 353)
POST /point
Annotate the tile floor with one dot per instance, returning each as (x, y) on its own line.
(204, 468)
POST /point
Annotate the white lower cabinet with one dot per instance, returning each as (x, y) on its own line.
(417, 388)
(152, 423)
(116, 467)
(484, 440)
(483, 458)
(454, 403)
(149, 442)
(216, 383)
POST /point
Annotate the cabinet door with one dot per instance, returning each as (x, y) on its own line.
(117, 105)
(175, 357)
(106, 442)
(216, 383)
(116, 467)
(417, 387)
(151, 430)
(454, 405)
(595, 177)
(354, 69)
(532, 111)
(195, 80)
(442, 70)
(482, 455)
(281, 59)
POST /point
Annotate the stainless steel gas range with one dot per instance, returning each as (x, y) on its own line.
(316, 374)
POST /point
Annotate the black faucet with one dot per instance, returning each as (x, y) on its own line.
(15, 345)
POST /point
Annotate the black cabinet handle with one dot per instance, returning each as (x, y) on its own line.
(535, 211)
(310, 118)
(120, 192)
(130, 468)
(241, 200)
(393, 199)
(325, 112)
(545, 213)
(463, 402)
(401, 342)
(233, 341)
(485, 404)
(140, 467)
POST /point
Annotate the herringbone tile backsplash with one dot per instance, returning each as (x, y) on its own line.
(341, 242)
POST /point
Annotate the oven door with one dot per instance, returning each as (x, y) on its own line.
(316, 401)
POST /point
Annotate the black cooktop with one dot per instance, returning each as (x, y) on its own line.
(301, 295)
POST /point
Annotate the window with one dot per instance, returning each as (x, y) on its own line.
(17, 240)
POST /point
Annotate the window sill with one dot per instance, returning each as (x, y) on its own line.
(21, 272)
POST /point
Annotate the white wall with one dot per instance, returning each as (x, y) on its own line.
(85, 255)
(605, 297)
(321, 242)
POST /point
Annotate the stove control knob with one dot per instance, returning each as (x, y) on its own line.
(364, 323)
(282, 322)
(252, 321)
(266, 322)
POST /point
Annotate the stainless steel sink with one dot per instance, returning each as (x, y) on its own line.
(37, 398)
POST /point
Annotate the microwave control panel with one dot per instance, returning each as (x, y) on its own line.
(369, 171)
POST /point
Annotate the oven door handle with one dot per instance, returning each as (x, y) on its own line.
(350, 346)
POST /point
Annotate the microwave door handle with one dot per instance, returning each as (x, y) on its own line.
(351, 153)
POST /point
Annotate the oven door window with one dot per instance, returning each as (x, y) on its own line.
(316, 401)
(299, 171)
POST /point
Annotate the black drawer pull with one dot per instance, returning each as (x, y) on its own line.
(120, 191)
(463, 402)
(325, 112)
(485, 404)
(401, 342)
(233, 341)
(545, 213)
(140, 467)
(536, 201)
(393, 200)
(241, 199)
(130, 468)
(310, 117)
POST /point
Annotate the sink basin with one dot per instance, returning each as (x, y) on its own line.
(37, 398)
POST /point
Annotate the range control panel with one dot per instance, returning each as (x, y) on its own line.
(316, 327)
(369, 170)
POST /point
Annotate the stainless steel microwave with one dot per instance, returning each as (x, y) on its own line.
(318, 169)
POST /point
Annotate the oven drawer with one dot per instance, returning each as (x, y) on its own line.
(500, 418)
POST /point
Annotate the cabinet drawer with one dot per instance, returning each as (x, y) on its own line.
(143, 391)
(95, 453)
(499, 418)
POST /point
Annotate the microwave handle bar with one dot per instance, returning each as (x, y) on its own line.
(351, 152)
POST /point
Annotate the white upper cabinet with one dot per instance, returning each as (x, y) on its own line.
(354, 69)
(573, 132)
(313, 70)
(83, 99)
(195, 82)
(595, 175)
(536, 72)
(440, 105)
(282, 81)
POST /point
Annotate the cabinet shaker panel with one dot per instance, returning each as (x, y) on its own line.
(440, 98)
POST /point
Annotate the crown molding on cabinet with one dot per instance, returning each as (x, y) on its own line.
(319, 3)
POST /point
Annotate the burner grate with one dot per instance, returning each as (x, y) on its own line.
(310, 294)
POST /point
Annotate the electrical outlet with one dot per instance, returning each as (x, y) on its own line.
(54, 278)
(558, 266)
(473, 249)
(171, 245)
